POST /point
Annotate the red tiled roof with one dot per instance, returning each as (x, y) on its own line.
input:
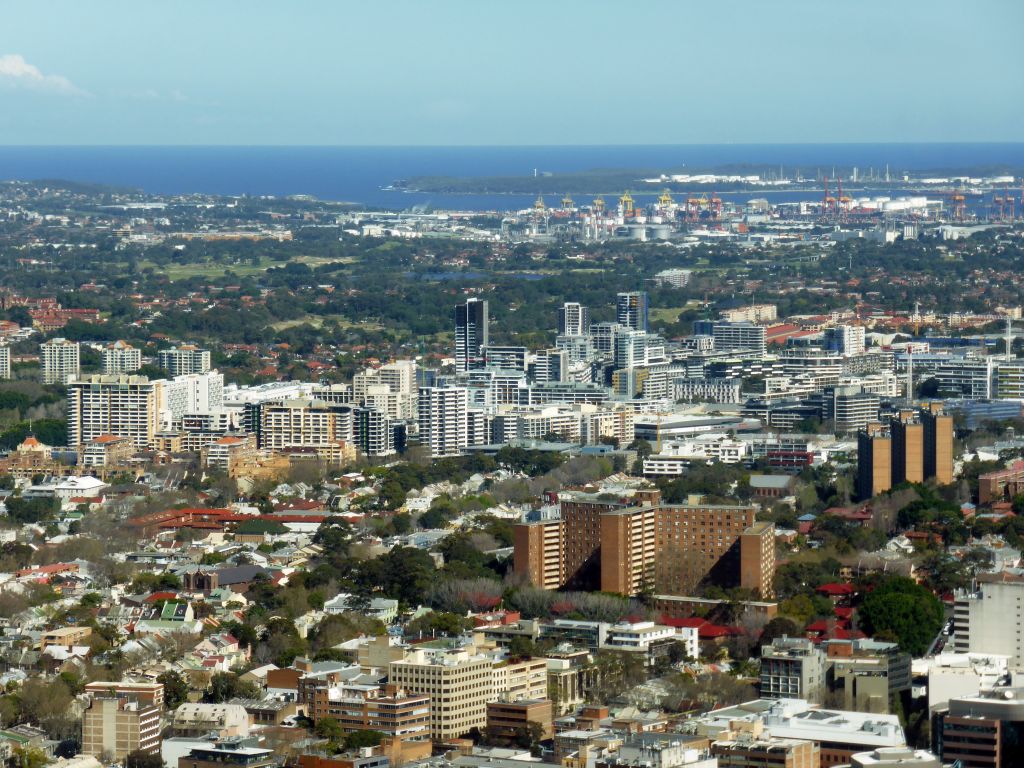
(836, 589)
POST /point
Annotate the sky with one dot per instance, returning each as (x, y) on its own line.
(457, 72)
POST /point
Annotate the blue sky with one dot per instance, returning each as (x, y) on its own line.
(523, 72)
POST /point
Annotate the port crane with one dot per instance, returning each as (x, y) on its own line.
(627, 205)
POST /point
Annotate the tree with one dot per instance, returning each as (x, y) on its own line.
(225, 686)
(780, 626)
(329, 728)
(360, 739)
(438, 623)
(175, 689)
(140, 759)
(908, 610)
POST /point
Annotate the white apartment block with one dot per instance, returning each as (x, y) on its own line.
(188, 358)
(123, 405)
(5, 361)
(442, 420)
(192, 393)
(990, 620)
(674, 278)
(736, 337)
(573, 319)
(59, 361)
(120, 357)
(391, 387)
(752, 313)
(706, 390)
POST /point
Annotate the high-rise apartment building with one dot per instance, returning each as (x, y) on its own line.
(391, 387)
(573, 319)
(5, 361)
(914, 447)
(850, 407)
(907, 449)
(630, 549)
(847, 340)
(120, 357)
(113, 727)
(740, 337)
(123, 405)
(989, 618)
(471, 334)
(537, 552)
(631, 310)
(183, 360)
(59, 361)
(505, 358)
(307, 423)
(193, 393)
(443, 420)
(374, 432)
(938, 444)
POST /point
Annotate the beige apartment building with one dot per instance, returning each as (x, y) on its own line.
(121, 405)
(113, 727)
(461, 682)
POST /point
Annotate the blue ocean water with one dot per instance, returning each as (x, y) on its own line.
(360, 174)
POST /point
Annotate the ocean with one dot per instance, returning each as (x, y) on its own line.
(361, 174)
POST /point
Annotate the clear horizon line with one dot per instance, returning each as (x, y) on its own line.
(517, 146)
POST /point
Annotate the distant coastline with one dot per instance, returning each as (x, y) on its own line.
(364, 174)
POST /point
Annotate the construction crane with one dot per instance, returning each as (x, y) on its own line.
(626, 203)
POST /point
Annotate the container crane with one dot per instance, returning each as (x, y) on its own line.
(598, 204)
(692, 208)
(715, 204)
(567, 203)
(844, 200)
(958, 202)
(627, 205)
(828, 203)
(665, 199)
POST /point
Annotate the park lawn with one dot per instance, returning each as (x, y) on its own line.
(242, 269)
